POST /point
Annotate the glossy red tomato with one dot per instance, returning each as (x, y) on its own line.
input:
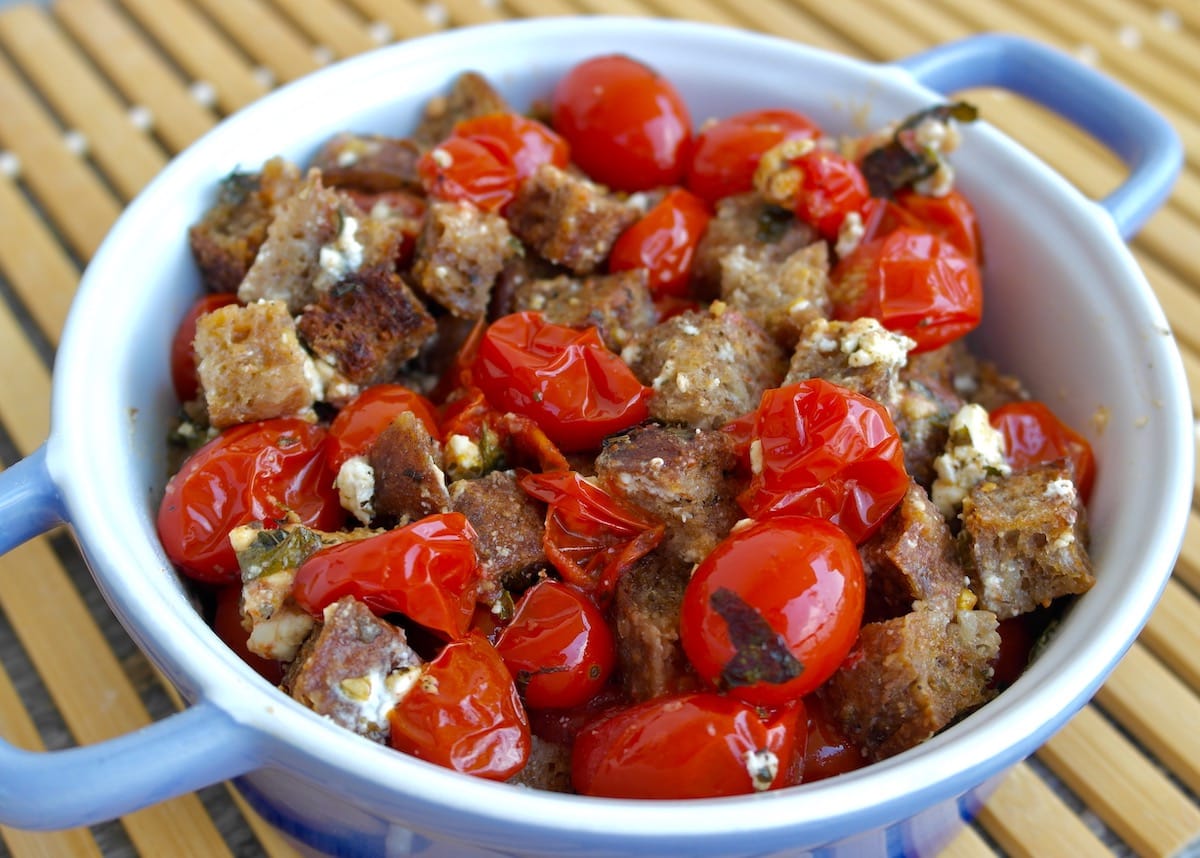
(699, 745)
(565, 379)
(831, 187)
(771, 612)
(914, 283)
(183, 351)
(558, 646)
(950, 217)
(529, 143)
(253, 472)
(474, 170)
(825, 451)
(1017, 638)
(627, 126)
(464, 713)
(591, 537)
(356, 426)
(727, 152)
(664, 242)
(1034, 435)
(828, 751)
(427, 570)
(227, 623)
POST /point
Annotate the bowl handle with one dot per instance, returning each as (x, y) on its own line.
(1137, 133)
(181, 753)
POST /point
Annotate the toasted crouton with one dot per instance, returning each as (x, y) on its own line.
(460, 252)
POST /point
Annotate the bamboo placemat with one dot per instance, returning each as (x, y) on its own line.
(95, 97)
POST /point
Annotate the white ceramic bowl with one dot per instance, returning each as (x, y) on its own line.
(1066, 308)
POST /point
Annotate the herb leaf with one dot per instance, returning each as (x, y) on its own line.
(761, 654)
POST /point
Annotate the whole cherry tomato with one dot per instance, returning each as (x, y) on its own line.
(252, 472)
(565, 379)
(698, 745)
(427, 570)
(591, 537)
(828, 751)
(183, 351)
(664, 242)
(831, 187)
(557, 646)
(825, 451)
(356, 426)
(727, 152)
(771, 612)
(950, 217)
(627, 126)
(529, 143)
(914, 283)
(475, 170)
(464, 713)
(1034, 435)
(227, 623)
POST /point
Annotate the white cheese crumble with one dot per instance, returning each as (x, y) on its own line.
(1062, 488)
(850, 234)
(280, 635)
(375, 694)
(865, 342)
(763, 767)
(974, 450)
(340, 257)
(462, 454)
(355, 483)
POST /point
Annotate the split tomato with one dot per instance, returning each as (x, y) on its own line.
(356, 426)
(558, 646)
(664, 242)
(818, 449)
(1033, 434)
(698, 745)
(529, 143)
(914, 283)
(772, 611)
(950, 217)
(464, 713)
(727, 152)
(831, 187)
(183, 351)
(428, 571)
(627, 126)
(466, 169)
(264, 472)
(564, 379)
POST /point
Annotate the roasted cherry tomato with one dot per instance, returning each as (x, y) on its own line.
(828, 751)
(628, 127)
(951, 217)
(464, 713)
(475, 170)
(1033, 435)
(664, 242)
(529, 143)
(591, 537)
(698, 745)
(831, 187)
(565, 379)
(727, 152)
(771, 612)
(227, 623)
(427, 570)
(356, 426)
(1017, 638)
(557, 646)
(819, 449)
(253, 472)
(183, 351)
(914, 283)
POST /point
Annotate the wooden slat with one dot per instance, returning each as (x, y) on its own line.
(1124, 788)
(467, 12)
(541, 8)
(18, 728)
(80, 206)
(695, 10)
(968, 844)
(783, 19)
(34, 263)
(1173, 634)
(330, 25)
(264, 34)
(405, 19)
(1187, 569)
(143, 75)
(633, 8)
(1026, 818)
(200, 50)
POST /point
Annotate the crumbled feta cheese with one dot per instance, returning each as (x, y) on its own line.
(462, 454)
(866, 342)
(763, 767)
(375, 694)
(1062, 488)
(279, 636)
(355, 483)
(850, 234)
(974, 450)
(341, 257)
(442, 158)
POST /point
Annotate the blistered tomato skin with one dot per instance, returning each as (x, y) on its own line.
(464, 713)
(628, 127)
(558, 646)
(474, 170)
(356, 426)
(428, 571)
(254, 472)
(664, 242)
(770, 614)
(699, 745)
(529, 143)
(831, 187)
(1034, 435)
(564, 379)
(183, 352)
(913, 283)
(816, 448)
(727, 152)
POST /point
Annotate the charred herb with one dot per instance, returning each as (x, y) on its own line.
(903, 161)
(761, 654)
